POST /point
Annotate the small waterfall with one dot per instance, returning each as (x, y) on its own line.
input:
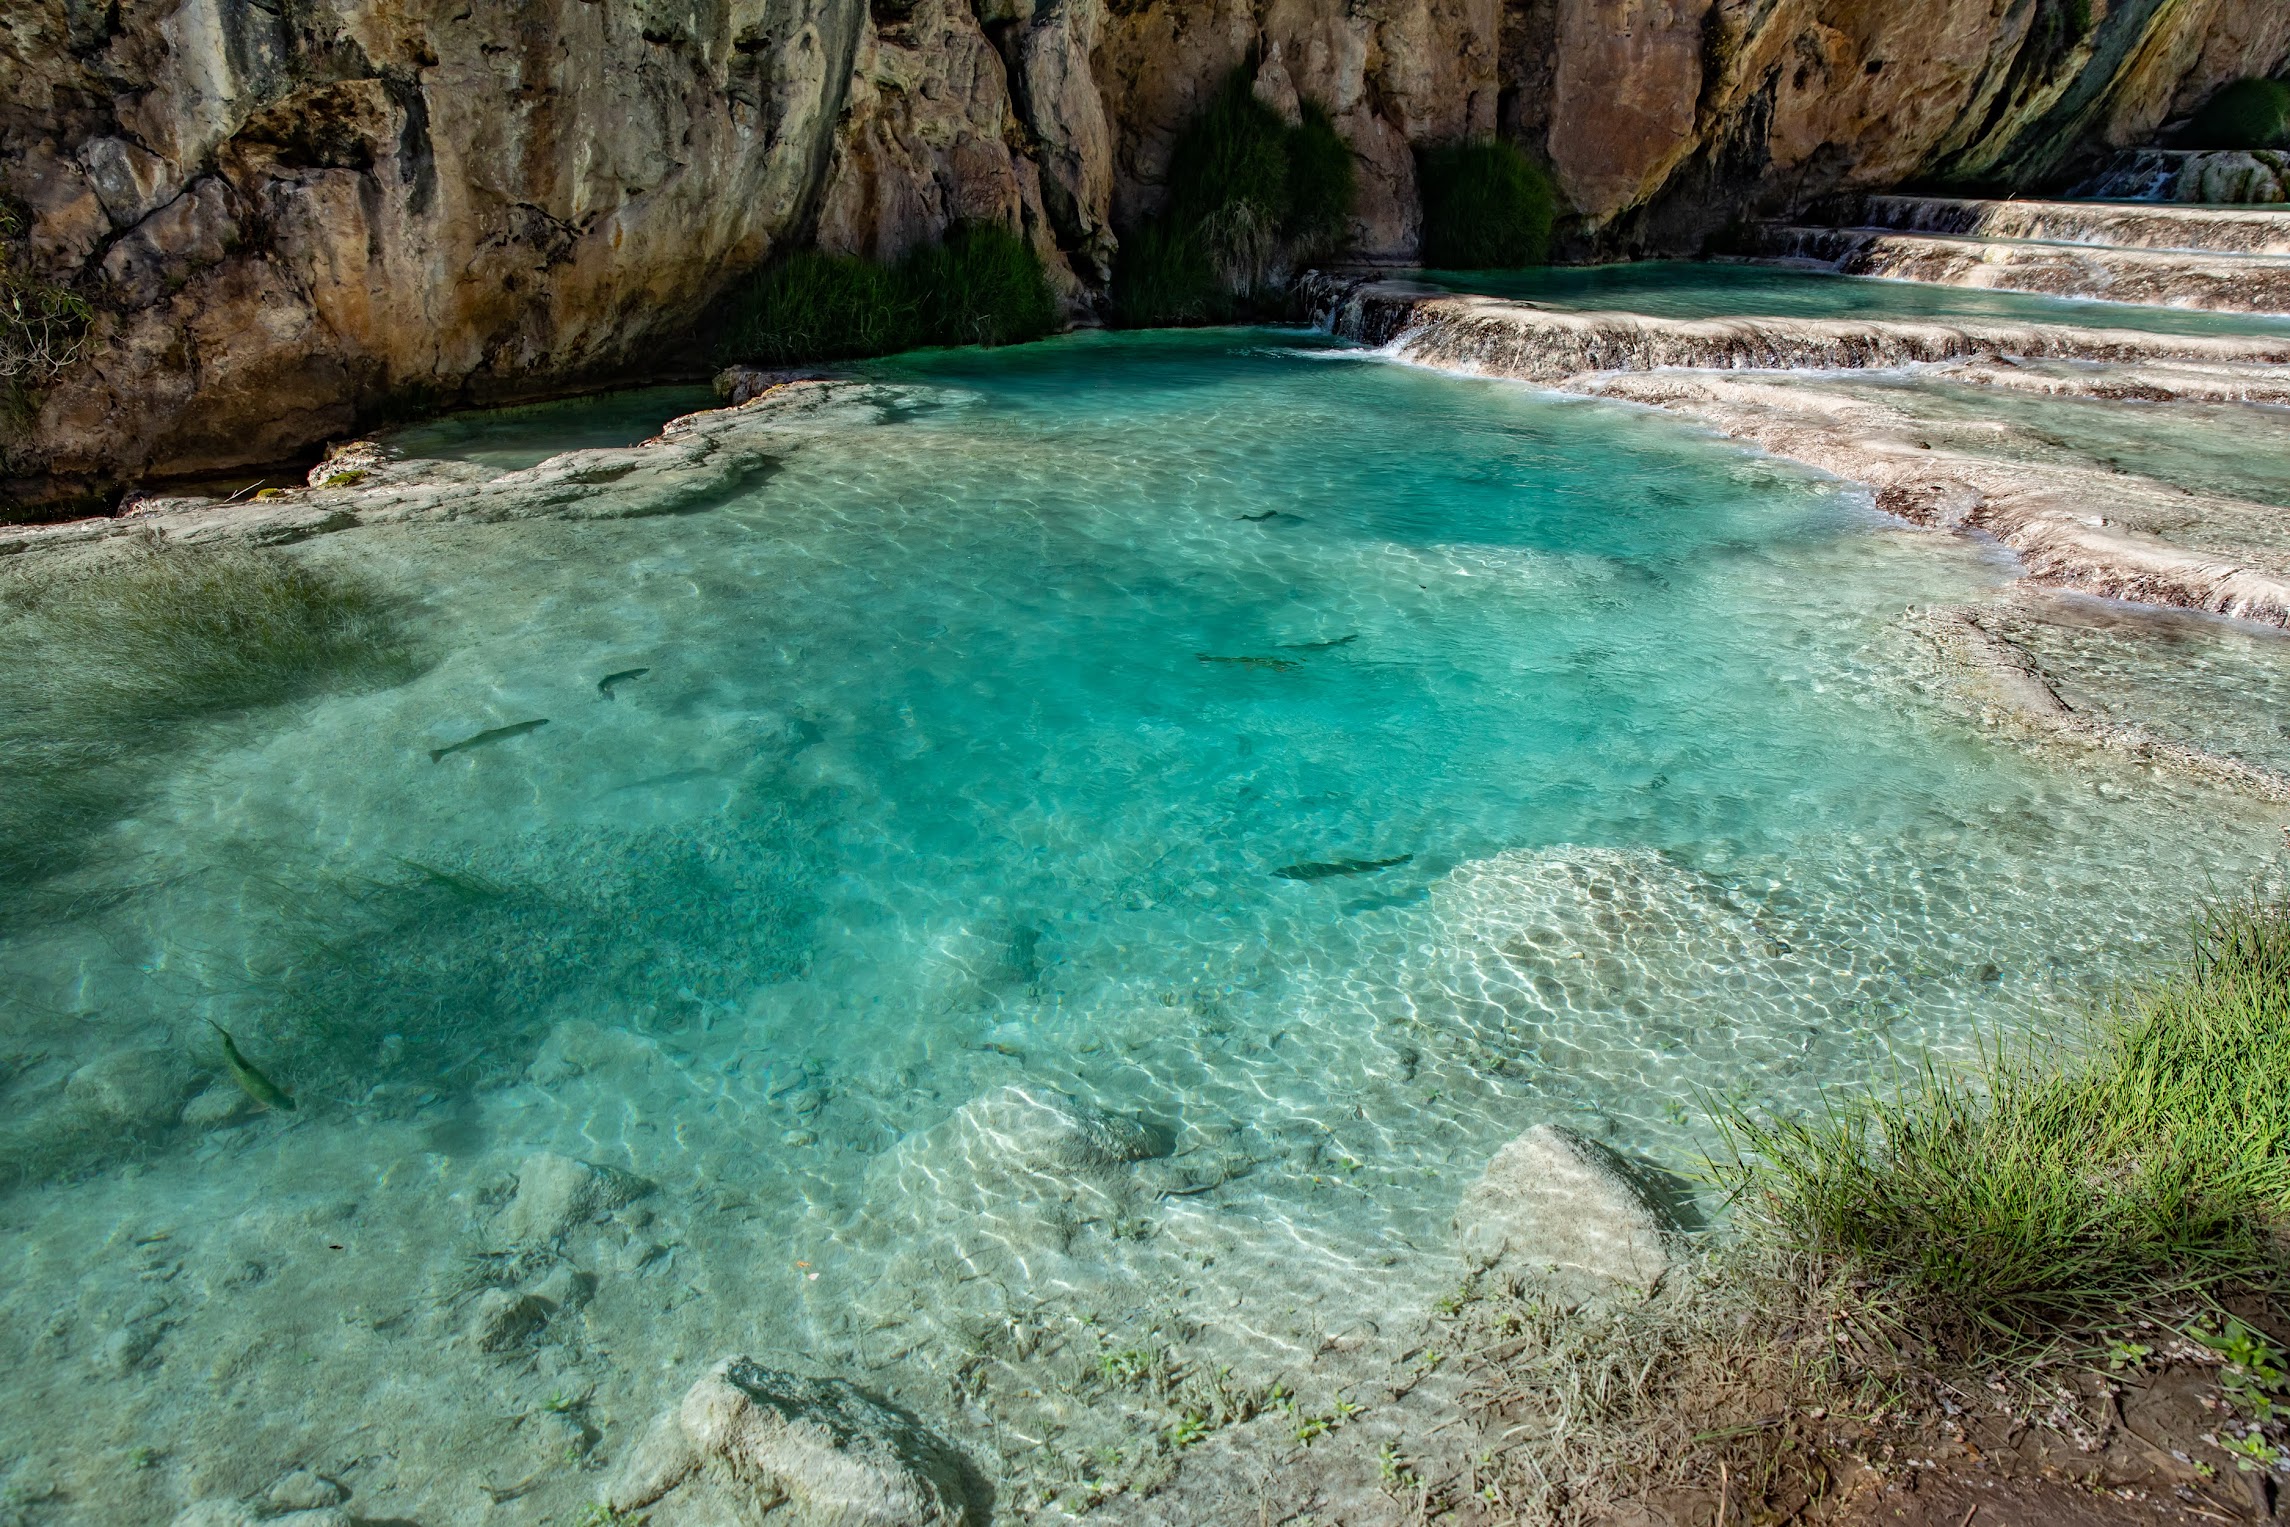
(2228, 177)
(1488, 336)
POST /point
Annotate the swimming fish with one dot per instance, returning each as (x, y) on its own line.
(1341, 641)
(1339, 867)
(604, 685)
(497, 734)
(1269, 514)
(259, 1087)
(1274, 664)
(662, 781)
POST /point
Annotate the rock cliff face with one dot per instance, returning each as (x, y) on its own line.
(291, 217)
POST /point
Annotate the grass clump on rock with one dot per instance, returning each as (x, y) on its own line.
(2033, 1203)
(2250, 113)
(1486, 206)
(983, 286)
(117, 658)
(1963, 1260)
(1249, 196)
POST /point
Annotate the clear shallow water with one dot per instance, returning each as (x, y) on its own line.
(2237, 450)
(1700, 289)
(970, 750)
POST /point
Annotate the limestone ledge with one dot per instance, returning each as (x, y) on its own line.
(694, 463)
(2076, 527)
(2221, 283)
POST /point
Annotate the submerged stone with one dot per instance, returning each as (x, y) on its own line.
(303, 1490)
(140, 1089)
(557, 1194)
(231, 1513)
(219, 1104)
(747, 1438)
(1034, 1127)
(501, 1319)
(1553, 1204)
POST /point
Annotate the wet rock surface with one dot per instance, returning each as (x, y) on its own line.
(1554, 1205)
(557, 1194)
(758, 1437)
(134, 1089)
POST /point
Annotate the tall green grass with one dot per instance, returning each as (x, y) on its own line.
(1248, 195)
(2250, 113)
(982, 286)
(1486, 206)
(2037, 1200)
(114, 663)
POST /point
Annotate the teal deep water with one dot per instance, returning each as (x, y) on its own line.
(1702, 289)
(1340, 767)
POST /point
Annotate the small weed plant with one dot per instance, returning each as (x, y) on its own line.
(43, 327)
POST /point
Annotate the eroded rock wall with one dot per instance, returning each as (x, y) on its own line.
(292, 217)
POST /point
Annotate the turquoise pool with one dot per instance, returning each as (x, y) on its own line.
(1335, 766)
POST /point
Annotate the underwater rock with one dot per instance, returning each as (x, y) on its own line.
(763, 1437)
(502, 1319)
(556, 1194)
(1553, 1201)
(141, 1089)
(577, 1047)
(1040, 1129)
(123, 1351)
(229, 1513)
(219, 1104)
(304, 1491)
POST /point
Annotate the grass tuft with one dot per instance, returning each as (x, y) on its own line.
(2249, 113)
(811, 306)
(1249, 196)
(1486, 206)
(2033, 1203)
(983, 286)
(118, 658)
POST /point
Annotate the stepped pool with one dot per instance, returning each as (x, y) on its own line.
(1705, 289)
(1332, 767)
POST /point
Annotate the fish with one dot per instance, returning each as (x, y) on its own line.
(1386, 903)
(1317, 871)
(1341, 641)
(662, 781)
(257, 1086)
(497, 734)
(1269, 514)
(604, 685)
(1274, 664)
